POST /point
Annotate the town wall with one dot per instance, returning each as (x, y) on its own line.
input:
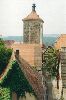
(31, 53)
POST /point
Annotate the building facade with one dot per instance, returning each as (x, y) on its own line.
(31, 48)
(61, 42)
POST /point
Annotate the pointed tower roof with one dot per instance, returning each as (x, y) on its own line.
(33, 15)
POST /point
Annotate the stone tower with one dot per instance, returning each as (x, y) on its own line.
(32, 28)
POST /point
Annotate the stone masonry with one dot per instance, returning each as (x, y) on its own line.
(30, 51)
(32, 31)
(63, 72)
(32, 28)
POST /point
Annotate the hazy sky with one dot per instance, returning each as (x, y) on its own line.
(53, 12)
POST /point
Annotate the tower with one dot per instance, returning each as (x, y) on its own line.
(32, 28)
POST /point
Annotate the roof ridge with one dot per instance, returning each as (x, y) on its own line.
(33, 16)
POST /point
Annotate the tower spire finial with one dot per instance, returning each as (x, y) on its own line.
(33, 7)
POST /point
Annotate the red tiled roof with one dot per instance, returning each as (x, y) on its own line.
(33, 16)
(60, 42)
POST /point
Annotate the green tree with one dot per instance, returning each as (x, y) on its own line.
(5, 55)
(1, 42)
(51, 63)
(16, 81)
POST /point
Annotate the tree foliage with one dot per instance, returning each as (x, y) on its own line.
(16, 81)
(50, 64)
(1, 42)
(5, 55)
(5, 94)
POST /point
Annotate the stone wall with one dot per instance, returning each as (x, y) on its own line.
(63, 72)
(32, 31)
(31, 53)
(38, 56)
(63, 68)
(14, 96)
(28, 97)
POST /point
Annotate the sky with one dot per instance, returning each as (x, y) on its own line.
(53, 12)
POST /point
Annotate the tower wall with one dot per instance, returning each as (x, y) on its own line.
(32, 32)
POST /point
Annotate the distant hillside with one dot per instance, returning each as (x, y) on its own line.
(15, 38)
(48, 39)
(51, 35)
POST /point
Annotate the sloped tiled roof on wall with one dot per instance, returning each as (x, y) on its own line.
(33, 15)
